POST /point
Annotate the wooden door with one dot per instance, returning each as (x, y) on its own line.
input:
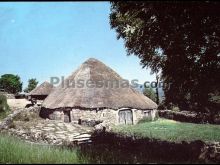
(67, 117)
(125, 117)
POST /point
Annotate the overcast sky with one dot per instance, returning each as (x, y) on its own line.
(44, 39)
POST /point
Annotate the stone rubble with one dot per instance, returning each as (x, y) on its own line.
(45, 131)
(54, 132)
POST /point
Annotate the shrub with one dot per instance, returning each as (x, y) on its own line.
(175, 109)
(21, 117)
(149, 118)
(4, 108)
(156, 116)
(161, 106)
(12, 125)
(145, 119)
(3, 104)
(26, 116)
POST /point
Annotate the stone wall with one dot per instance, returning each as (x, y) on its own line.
(210, 152)
(188, 116)
(9, 119)
(140, 114)
(108, 116)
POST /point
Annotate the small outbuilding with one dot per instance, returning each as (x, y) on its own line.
(94, 92)
(38, 94)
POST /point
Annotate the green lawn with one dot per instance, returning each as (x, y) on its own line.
(13, 150)
(170, 130)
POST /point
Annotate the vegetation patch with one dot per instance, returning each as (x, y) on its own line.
(13, 150)
(4, 108)
(26, 116)
(170, 130)
(145, 119)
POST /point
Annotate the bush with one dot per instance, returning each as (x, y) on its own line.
(3, 104)
(4, 108)
(156, 116)
(22, 117)
(175, 109)
(162, 106)
(12, 125)
(145, 119)
(149, 118)
(26, 116)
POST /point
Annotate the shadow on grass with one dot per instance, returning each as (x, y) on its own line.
(112, 148)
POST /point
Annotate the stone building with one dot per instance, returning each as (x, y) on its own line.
(38, 94)
(96, 92)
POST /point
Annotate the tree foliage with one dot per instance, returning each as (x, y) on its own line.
(150, 93)
(32, 83)
(11, 83)
(180, 39)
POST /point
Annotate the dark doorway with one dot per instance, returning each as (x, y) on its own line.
(125, 116)
(67, 118)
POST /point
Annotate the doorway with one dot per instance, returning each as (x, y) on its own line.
(67, 118)
(125, 116)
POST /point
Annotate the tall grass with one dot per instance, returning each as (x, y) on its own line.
(12, 150)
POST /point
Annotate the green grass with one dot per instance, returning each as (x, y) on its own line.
(13, 150)
(170, 130)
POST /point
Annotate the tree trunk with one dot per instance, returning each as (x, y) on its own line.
(157, 93)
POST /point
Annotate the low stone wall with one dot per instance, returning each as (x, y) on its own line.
(210, 152)
(51, 132)
(9, 119)
(191, 117)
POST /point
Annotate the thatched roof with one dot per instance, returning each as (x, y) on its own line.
(123, 97)
(43, 89)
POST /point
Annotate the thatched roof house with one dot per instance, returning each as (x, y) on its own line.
(102, 95)
(41, 91)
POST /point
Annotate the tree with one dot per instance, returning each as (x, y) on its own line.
(32, 83)
(11, 83)
(150, 93)
(180, 39)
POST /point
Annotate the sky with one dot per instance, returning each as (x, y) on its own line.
(52, 39)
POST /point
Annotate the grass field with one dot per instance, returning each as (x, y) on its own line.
(13, 150)
(170, 130)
